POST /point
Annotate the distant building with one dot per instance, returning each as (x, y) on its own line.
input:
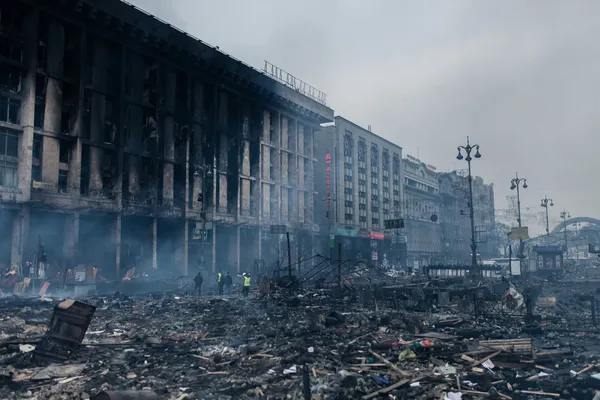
(358, 177)
(421, 211)
(455, 218)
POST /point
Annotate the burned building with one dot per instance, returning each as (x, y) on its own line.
(126, 142)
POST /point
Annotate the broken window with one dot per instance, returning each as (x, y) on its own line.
(63, 179)
(12, 17)
(10, 78)
(11, 49)
(149, 132)
(146, 181)
(150, 83)
(87, 117)
(111, 119)
(9, 161)
(72, 60)
(109, 173)
(40, 93)
(69, 108)
(10, 109)
(36, 167)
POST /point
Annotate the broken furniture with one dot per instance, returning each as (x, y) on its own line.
(66, 330)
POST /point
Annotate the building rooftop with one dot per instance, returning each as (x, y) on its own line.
(127, 23)
(368, 130)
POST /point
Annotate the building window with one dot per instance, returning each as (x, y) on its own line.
(348, 217)
(9, 109)
(9, 161)
(375, 221)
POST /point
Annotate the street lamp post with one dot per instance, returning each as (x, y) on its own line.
(545, 203)
(468, 149)
(566, 215)
(205, 171)
(515, 183)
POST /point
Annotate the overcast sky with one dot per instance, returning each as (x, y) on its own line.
(521, 78)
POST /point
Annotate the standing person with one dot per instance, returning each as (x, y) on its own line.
(246, 287)
(228, 282)
(199, 280)
(220, 282)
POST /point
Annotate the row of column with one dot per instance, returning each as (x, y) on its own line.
(70, 235)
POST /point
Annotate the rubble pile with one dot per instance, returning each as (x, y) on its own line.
(179, 346)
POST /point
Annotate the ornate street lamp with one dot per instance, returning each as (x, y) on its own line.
(468, 149)
(545, 203)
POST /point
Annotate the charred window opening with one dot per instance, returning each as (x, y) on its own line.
(113, 69)
(149, 131)
(179, 185)
(10, 109)
(253, 203)
(9, 158)
(40, 95)
(89, 61)
(180, 142)
(272, 170)
(64, 158)
(72, 56)
(109, 173)
(42, 50)
(146, 180)
(69, 108)
(11, 78)
(12, 17)
(256, 126)
(150, 95)
(111, 119)
(87, 115)
(36, 153)
(11, 49)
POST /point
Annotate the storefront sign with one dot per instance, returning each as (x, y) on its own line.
(377, 235)
(344, 232)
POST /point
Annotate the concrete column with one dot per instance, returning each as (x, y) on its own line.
(197, 153)
(259, 242)
(133, 176)
(214, 248)
(154, 243)
(53, 102)
(237, 248)
(20, 231)
(28, 104)
(186, 248)
(118, 222)
(245, 194)
(169, 137)
(74, 177)
(98, 116)
(70, 239)
(222, 128)
(136, 121)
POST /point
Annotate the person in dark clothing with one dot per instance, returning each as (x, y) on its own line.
(220, 282)
(199, 280)
(228, 283)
